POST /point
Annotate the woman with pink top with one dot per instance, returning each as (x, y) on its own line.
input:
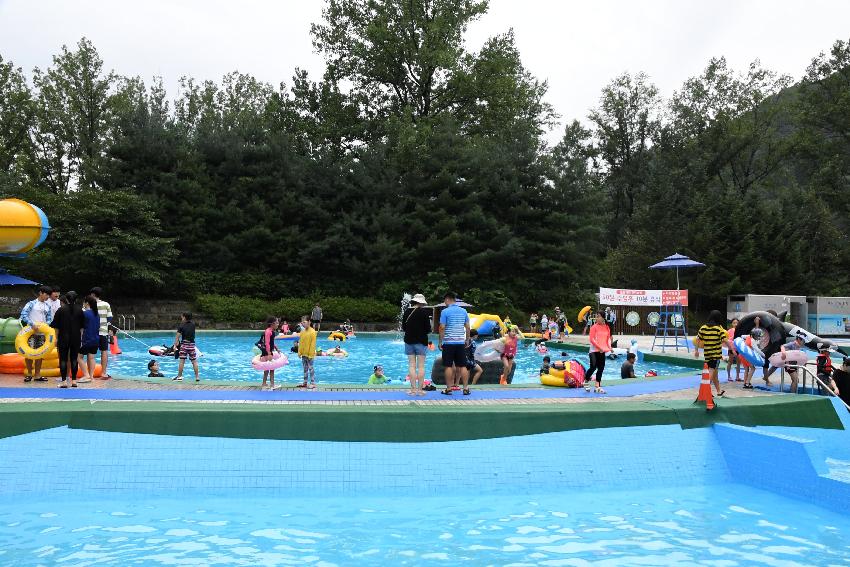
(600, 343)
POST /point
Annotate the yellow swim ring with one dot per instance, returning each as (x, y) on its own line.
(22, 345)
(583, 313)
(337, 336)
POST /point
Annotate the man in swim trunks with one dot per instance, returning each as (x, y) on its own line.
(184, 340)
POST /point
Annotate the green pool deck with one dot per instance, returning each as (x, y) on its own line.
(410, 422)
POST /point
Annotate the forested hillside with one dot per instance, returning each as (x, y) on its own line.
(415, 164)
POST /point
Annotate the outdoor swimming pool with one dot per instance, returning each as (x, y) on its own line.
(722, 524)
(227, 356)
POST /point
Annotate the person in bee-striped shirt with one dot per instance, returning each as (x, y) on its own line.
(712, 337)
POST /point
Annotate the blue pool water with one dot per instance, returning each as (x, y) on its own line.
(722, 524)
(227, 356)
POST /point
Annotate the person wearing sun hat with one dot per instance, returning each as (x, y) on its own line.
(416, 324)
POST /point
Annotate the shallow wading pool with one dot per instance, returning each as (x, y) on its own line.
(227, 357)
(643, 495)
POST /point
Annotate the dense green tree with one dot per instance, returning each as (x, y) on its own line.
(625, 123)
(16, 110)
(72, 119)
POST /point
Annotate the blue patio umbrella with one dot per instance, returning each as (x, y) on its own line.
(8, 279)
(676, 261)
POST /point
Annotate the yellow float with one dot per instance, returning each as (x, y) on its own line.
(571, 376)
(337, 336)
(23, 347)
(22, 227)
(583, 313)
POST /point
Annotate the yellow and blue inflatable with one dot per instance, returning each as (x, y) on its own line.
(23, 227)
(485, 324)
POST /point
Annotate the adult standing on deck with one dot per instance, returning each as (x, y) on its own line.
(416, 325)
(600, 343)
(68, 323)
(104, 311)
(91, 338)
(34, 312)
(307, 352)
(316, 317)
(454, 332)
(53, 300)
(561, 320)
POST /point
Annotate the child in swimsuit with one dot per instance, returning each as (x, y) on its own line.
(508, 354)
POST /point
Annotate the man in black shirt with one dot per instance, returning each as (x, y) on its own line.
(184, 342)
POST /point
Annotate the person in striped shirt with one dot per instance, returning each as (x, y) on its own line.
(104, 311)
(454, 332)
(712, 337)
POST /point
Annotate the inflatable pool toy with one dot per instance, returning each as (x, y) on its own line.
(277, 361)
(777, 333)
(328, 353)
(337, 336)
(583, 313)
(22, 228)
(792, 358)
(542, 349)
(13, 363)
(489, 351)
(650, 374)
(532, 335)
(749, 352)
(289, 337)
(160, 351)
(9, 330)
(571, 376)
(486, 323)
(23, 347)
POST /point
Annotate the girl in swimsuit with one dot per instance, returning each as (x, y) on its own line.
(508, 354)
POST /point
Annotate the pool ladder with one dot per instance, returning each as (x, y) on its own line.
(128, 324)
(816, 381)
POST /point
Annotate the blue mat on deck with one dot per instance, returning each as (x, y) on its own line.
(614, 391)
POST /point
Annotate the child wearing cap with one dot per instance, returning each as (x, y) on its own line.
(377, 376)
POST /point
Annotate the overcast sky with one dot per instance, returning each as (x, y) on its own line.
(577, 47)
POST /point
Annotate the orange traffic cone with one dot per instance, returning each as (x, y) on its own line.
(705, 389)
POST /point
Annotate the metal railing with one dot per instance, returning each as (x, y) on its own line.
(815, 381)
(126, 323)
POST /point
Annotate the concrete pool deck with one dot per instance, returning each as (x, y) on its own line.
(680, 386)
